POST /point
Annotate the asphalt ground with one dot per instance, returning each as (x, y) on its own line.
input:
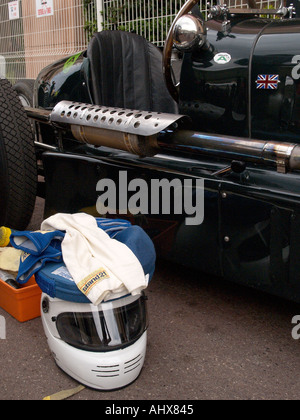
(208, 339)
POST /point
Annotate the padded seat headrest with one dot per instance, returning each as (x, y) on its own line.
(126, 72)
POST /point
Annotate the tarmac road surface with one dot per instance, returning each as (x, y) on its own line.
(207, 340)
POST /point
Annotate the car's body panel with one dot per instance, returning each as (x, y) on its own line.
(250, 233)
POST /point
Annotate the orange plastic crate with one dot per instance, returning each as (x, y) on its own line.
(24, 303)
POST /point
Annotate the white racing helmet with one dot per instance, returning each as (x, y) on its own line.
(103, 346)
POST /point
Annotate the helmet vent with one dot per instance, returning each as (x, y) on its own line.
(133, 363)
(107, 371)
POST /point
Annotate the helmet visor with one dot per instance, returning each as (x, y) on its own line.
(109, 326)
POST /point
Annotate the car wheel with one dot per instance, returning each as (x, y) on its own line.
(18, 168)
(24, 89)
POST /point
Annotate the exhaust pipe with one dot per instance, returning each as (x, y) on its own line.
(148, 133)
(125, 129)
(284, 156)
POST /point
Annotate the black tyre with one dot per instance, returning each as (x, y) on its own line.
(24, 89)
(18, 168)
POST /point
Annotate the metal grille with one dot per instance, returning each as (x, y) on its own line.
(153, 18)
(29, 43)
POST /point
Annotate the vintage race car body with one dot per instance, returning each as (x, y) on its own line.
(243, 85)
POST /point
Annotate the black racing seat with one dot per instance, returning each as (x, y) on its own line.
(126, 72)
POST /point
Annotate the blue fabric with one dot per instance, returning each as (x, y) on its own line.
(30, 264)
(112, 226)
(41, 247)
(34, 243)
(50, 272)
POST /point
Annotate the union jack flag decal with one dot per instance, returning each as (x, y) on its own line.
(267, 81)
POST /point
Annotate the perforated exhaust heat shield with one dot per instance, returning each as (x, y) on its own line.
(125, 129)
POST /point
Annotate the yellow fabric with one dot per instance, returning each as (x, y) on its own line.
(4, 236)
(10, 259)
